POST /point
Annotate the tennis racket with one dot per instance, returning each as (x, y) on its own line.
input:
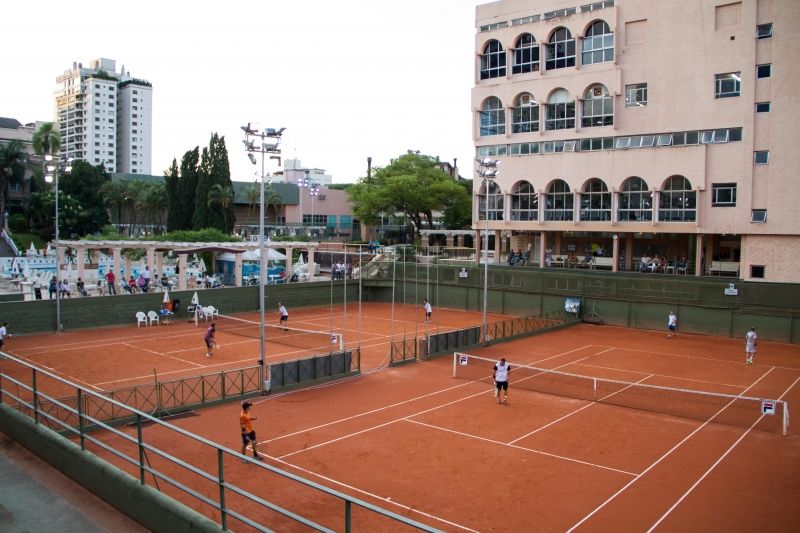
(217, 346)
(494, 388)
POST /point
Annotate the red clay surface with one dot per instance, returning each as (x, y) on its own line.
(439, 450)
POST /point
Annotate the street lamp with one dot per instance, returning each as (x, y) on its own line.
(51, 176)
(487, 170)
(266, 142)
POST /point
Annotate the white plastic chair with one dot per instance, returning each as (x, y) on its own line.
(141, 318)
(210, 311)
(153, 316)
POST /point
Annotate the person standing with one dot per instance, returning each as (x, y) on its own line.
(502, 371)
(750, 341)
(672, 324)
(248, 434)
(209, 338)
(52, 289)
(112, 282)
(3, 334)
(284, 315)
(146, 274)
(428, 311)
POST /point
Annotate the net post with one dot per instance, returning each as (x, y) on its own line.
(455, 357)
(785, 418)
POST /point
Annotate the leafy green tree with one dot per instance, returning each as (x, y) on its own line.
(114, 197)
(214, 170)
(413, 185)
(458, 211)
(84, 184)
(222, 197)
(171, 185)
(153, 202)
(46, 140)
(12, 168)
(187, 189)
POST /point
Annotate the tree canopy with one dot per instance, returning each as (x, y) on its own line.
(413, 185)
(12, 168)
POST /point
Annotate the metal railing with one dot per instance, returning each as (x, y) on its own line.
(39, 394)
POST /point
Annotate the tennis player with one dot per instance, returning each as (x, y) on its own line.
(672, 324)
(428, 311)
(500, 375)
(3, 334)
(284, 315)
(750, 341)
(248, 435)
(209, 338)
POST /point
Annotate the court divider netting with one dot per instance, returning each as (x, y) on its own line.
(730, 409)
(313, 340)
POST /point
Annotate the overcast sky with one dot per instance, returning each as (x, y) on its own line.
(348, 79)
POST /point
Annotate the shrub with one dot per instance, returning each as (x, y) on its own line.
(18, 223)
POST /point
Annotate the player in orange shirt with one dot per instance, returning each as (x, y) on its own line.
(248, 435)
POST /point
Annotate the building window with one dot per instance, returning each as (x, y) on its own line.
(757, 271)
(598, 107)
(560, 111)
(595, 201)
(492, 117)
(558, 201)
(635, 201)
(526, 55)
(597, 143)
(723, 195)
(764, 71)
(598, 44)
(763, 107)
(677, 201)
(495, 202)
(758, 216)
(728, 85)
(764, 31)
(524, 202)
(636, 95)
(493, 61)
(761, 157)
(560, 50)
(525, 114)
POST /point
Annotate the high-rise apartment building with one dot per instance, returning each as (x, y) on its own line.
(105, 117)
(637, 128)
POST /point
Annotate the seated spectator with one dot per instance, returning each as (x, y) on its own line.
(131, 285)
(209, 281)
(644, 263)
(63, 289)
(662, 265)
(192, 281)
(548, 257)
(141, 283)
(53, 288)
(572, 260)
(680, 266)
(587, 259)
(654, 264)
(511, 258)
(81, 287)
(101, 287)
(165, 281)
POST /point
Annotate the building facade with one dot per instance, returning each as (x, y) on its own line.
(637, 128)
(105, 117)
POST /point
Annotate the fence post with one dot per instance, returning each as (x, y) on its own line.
(223, 512)
(222, 377)
(141, 447)
(35, 397)
(80, 420)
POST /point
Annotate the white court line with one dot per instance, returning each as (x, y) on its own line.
(718, 461)
(667, 454)
(575, 412)
(384, 408)
(53, 370)
(371, 495)
(738, 362)
(161, 354)
(532, 450)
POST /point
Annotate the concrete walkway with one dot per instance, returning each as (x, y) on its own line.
(36, 497)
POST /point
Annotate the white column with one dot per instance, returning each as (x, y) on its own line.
(80, 256)
(116, 253)
(237, 270)
(615, 254)
(183, 276)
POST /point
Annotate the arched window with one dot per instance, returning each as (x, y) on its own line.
(560, 111)
(526, 55)
(524, 202)
(595, 201)
(561, 50)
(677, 201)
(493, 60)
(635, 201)
(525, 114)
(598, 107)
(558, 201)
(598, 44)
(493, 120)
(495, 202)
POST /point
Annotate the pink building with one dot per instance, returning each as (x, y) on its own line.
(642, 128)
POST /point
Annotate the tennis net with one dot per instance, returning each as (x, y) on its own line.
(742, 411)
(313, 340)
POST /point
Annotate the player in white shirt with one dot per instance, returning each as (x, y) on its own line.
(672, 324)
(428, 311)
(750, 341)
(284, 315)
(501, 372)
(4, 333)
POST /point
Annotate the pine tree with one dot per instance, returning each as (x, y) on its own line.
(171, 182)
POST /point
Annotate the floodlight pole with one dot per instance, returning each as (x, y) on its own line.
(51, 172)
(487, 170)
(249, 140)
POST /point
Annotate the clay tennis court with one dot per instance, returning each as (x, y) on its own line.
(438, 449)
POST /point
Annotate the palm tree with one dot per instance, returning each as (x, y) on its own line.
(252, 194)
(12, 168)
(46, 140)
(271, 197)
(113, 194)
(221, 195)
